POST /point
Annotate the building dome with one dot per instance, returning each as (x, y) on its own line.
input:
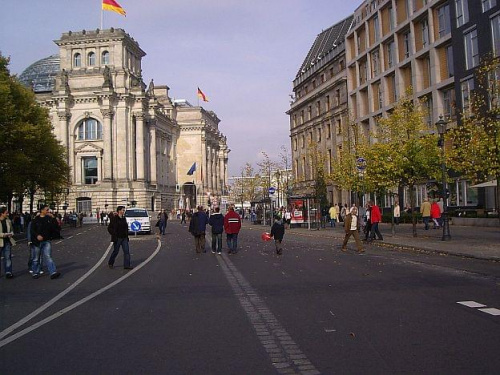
(41, 74)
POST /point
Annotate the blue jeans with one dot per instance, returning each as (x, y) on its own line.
(332, 222)
(217, 242)
(123, 242)
(45, 251)
(163, 226)
(6, 252)
(426, 219)
(232, 242)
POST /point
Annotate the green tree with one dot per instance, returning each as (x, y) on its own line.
(475, 151)
(31, 157)
(406, 152)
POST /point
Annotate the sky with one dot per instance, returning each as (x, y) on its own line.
(244, 55)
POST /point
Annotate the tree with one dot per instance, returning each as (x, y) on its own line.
(406, 153)
(475, 151)
(31, 157)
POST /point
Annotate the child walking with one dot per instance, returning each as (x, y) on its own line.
(278, 232)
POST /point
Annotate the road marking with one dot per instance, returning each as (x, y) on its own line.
(471, 304)
(284, 353)
(491, 311)
(74, 305)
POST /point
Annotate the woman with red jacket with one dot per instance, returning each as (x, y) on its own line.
(375, 218)
(435, 214)
(232, 226)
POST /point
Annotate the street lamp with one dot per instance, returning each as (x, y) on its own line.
(441, 128)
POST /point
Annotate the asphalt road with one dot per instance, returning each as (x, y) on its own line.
(313, 310)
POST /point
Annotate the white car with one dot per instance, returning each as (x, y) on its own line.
(139, 215)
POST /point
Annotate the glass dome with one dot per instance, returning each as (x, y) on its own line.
(41, 74)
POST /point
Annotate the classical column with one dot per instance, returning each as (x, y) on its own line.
(139, 144)
(108, 144)
(152, 147)
(79, 170)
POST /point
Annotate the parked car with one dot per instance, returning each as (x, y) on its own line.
(139, 215)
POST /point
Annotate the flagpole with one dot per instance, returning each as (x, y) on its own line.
(102, 15)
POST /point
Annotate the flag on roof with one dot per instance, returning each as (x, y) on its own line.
(113, 6)
(192, 169)
(202, 96)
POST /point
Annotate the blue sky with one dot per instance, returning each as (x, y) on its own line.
(243, 55)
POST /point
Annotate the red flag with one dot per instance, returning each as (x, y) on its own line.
(202, 96)
(113, 6)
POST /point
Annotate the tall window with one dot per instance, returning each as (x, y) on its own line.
(449, 60)
(375, 63)
(77, 60)
(467, 87)
(376, 27)
(91, 59)
(89, 170)
(392, 21)
(449, 103)
(390, 54)
(444, 20)
(462, 10)
(90, 129)
(471, 49)
(495, 31)
(425, 33)
(105, 58)
(488, 4)
(406, 44)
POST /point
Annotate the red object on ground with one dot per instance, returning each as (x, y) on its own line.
(265, 236)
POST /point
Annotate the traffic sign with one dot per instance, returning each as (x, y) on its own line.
(135, 226)
(272, 190)
(360, 164)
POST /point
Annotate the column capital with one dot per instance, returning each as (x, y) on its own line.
(107, 113)
(63, 115)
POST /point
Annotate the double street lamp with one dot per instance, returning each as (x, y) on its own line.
(441, 128)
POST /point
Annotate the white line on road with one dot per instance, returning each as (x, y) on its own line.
(491, 311)
(474, 305)
(284, 353)
(71, 307)
(471, 304)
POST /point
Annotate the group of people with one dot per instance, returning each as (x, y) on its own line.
(229, 223)
(41, 230)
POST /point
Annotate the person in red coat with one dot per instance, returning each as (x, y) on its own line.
(375, 218)
(232, 226)
(435, 214)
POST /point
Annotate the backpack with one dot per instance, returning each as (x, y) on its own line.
(111, 230)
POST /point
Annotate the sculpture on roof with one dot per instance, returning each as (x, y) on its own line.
(107, 78)
(151, 88)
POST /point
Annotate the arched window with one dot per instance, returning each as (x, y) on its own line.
(105, 58)
(77, 60)
(91, 59)
(89, 129)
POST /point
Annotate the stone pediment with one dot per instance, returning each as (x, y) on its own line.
(88, 148)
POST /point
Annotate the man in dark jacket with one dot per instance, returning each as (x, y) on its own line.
(44, 229)
(197, 227)
(216, 221)
(278, 232)
(118, 228)
(232, 226)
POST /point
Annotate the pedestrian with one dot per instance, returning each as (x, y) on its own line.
(216, 221)
(324, 216)
(435, 214)
(351, 229)
(32, 249)
(375, 218)
(197, 227)
(368, 223)
(333, 215)
(232, 226)
(288, 218)
(278, 232)
(6, 241)
(425, 209)
(118, 228)
(162, 219)
(397, 213)
(183, 217)
(43, 230)
(343, 212)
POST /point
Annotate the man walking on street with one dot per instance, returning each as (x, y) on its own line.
(6, 241)
(351, 229)
(118, 228)
(162, 217)
(44, 229)
(216, 221)
(198, 227)
(333, 215)
(375, 218)
(232, 226)
(425, 209)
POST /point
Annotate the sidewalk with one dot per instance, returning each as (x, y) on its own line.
(466, 241)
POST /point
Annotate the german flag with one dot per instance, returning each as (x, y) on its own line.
(113, 6)
(202, 96)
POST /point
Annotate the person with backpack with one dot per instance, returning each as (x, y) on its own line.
(216, 221)
(278, 232)
(232, 226)
(118, 228)
(197, 227)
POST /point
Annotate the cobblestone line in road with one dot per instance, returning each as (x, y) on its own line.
(284, 353)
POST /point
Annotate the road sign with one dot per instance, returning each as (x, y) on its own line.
(272, 190)
(135, 226)
(360, 164)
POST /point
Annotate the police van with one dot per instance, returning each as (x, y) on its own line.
(139, 215)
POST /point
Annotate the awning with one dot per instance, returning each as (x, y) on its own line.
(491, 183)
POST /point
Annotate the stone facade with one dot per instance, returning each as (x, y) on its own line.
(127, 142)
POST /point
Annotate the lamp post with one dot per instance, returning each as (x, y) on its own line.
(441, 128)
